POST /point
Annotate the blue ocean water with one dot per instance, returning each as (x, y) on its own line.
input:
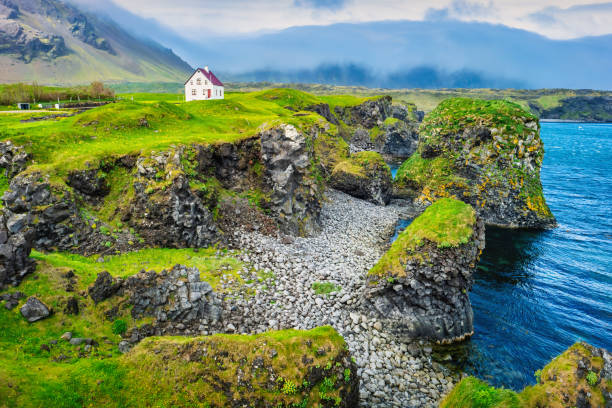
(536, 293)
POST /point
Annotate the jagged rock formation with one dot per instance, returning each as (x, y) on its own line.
(486, 153)
(177, 299)
(580, 377)
(419, 287)
(104, 287)
(15, 245)
(379, 126)
(13, 159)
(370, 113)
(295, 194)
(364, 175)
(48, 209)
(165, 211)
(285, 368)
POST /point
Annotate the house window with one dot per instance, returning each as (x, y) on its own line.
(203, 91)
(199, 81)
(192, 82)
(193, 91)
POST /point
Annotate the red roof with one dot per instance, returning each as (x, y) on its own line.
(211, 77)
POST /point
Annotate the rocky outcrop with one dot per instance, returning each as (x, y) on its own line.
(486, 153)
(580, 377)
(88, 182)
(177, 299)
(104, 287)
(164, 210)
(284, 368)
(16, 238)
(398, 140)
(370, 113)
(28, 43)
(295, 197)
(49, 210)
(323, 110)
(377, 125)
(419, 287)
(364, 175)
(13, 158)
(34, 310)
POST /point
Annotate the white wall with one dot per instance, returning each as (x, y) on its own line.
(201, 90)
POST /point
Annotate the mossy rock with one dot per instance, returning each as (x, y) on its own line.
(288, 368)
(486, 153)
(447, 223)
(364, 175)
(579, 377)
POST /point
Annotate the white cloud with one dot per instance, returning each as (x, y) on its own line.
(553, 18)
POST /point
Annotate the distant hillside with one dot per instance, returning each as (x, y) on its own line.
(53, 42)
(565, 104)
(413, 54)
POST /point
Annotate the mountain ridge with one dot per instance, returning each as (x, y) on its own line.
(53, 42)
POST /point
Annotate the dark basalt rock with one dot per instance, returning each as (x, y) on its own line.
(399, 140)
(13, 159)
(295, 193)
(371, 181)
(231, 163)
(104, 287)
(11, 299)
(16, 239)
(369, 114)
(58, 223)
(431, 301)
(323, 110)
(34, 310)
(175, 296)
(167, 212)
(88, 182)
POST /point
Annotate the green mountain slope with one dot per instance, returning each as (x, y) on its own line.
(54, 43)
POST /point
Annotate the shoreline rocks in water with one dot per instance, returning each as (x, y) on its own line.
(418, 289)
(486, 153)
(579, 377)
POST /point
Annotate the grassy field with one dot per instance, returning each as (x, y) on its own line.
(151, 122)
(66, 375)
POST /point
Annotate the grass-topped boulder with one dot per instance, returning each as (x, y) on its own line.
(288, 368)
(486, 153)
(419, 287)
(364, 175)
(579, 377)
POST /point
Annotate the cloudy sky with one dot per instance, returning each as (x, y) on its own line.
(558, 19)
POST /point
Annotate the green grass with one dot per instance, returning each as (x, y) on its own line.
(325, 288)
(455, 114)
(130, 263)
(167, 377)
(4, 185)
(360, 163)
(473, 393)
(31, 377)
(119, 128)
(446, 223)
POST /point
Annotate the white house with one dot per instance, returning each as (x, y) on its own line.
(203, 85)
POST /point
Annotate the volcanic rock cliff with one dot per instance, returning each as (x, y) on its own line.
(419, 287)
(486, 153)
